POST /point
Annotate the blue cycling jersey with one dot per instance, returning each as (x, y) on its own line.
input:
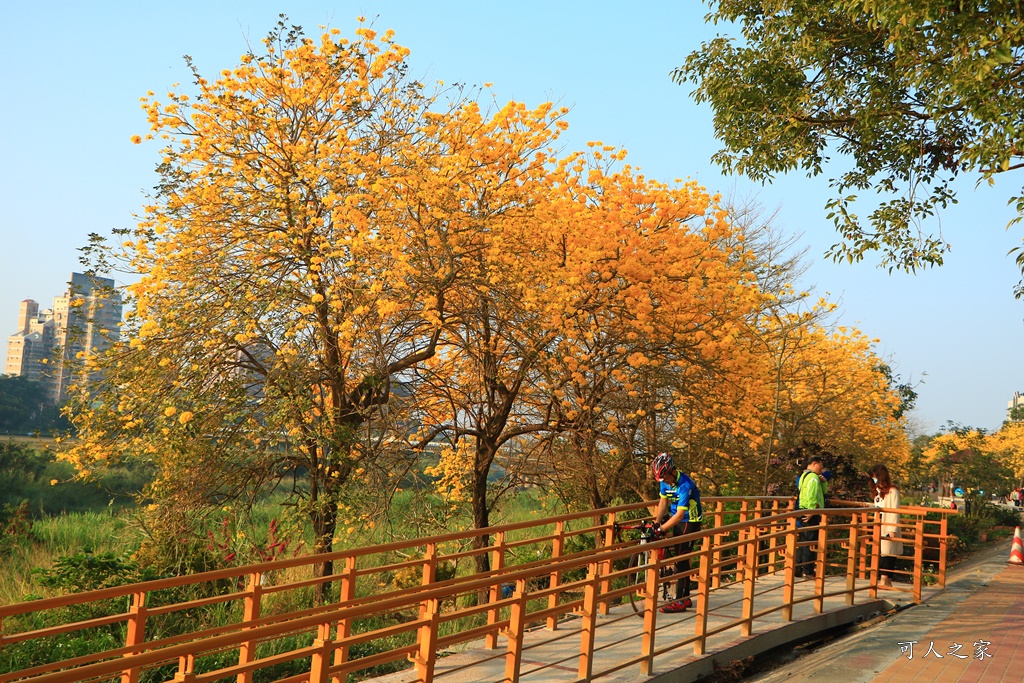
(683, 493)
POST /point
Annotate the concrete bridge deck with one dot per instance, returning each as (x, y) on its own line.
(552, 656)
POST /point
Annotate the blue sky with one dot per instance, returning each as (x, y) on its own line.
(75, 71)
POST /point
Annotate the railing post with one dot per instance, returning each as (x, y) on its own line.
(429, 571)
(319, 665)
(497, 562)
(943, 535)
(186, 672)
(779, 560)
(918, 557)
(865, 547)
(876, 546)
(589, 623)
(557, 545)
(700, 618)
(516, 628)
(426, 638)
(716, 558)
(749, 553)
(347, 593)
(851, 560)
(606, 565)
(136, 633)
(250, 613)
(756, 532)
(819, 564)
(650, 614)
(789, 571)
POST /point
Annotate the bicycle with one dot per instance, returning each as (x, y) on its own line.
(638, 563)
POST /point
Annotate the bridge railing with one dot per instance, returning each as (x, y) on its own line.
(428, 615)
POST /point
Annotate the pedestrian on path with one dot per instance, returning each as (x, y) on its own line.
(887, 496)
(812, 497)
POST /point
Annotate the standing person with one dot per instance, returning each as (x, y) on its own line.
(887, 496)
(812, 497)
(825, 478)
(679, 512)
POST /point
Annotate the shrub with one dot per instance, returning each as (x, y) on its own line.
(15, 526)
(965, 528)
(1003, 516)
(955, 548)
(85, 572)
(72, 574)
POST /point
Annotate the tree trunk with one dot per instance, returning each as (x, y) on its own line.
(481, 512)
(325, 522)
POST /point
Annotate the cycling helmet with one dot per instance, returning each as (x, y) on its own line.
(662, 465)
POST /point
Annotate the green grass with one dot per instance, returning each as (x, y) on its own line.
(53, 537)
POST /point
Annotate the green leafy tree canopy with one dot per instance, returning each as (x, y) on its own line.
(915, 93)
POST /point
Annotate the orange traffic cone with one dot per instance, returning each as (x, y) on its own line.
(1017, 551)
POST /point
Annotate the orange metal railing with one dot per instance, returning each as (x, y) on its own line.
(536, 577)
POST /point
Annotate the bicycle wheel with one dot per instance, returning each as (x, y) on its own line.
(637, 578)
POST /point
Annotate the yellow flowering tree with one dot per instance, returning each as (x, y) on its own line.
(662, 289)
(833, 392)
(296, 261)
(1007, 445)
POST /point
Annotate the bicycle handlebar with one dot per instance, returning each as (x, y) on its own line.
(649, 531)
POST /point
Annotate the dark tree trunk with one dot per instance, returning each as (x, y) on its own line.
(325, 522)
(481, 510)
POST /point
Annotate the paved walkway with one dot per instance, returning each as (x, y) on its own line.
(981, 611)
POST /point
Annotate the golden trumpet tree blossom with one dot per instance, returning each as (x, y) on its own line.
(605, 279)
(313, 222)
(661, 300)
(819, 384)
(1007, 445)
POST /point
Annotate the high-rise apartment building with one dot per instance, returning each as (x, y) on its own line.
(48, 343)
(1015, 406)
(33, 342)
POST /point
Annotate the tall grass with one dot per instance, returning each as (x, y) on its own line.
(110, 529)
(53, 537)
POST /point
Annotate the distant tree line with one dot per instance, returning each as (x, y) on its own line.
(25, 408)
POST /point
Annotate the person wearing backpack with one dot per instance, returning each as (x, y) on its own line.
(811, 497)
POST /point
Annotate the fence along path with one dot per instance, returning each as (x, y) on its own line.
(542, 573)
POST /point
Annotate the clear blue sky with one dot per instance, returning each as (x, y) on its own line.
(75, 71)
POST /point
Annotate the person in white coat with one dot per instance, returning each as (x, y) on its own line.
(887, 496)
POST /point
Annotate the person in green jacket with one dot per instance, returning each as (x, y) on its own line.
(812, 497)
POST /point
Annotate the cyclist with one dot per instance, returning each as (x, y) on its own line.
(679, 512)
